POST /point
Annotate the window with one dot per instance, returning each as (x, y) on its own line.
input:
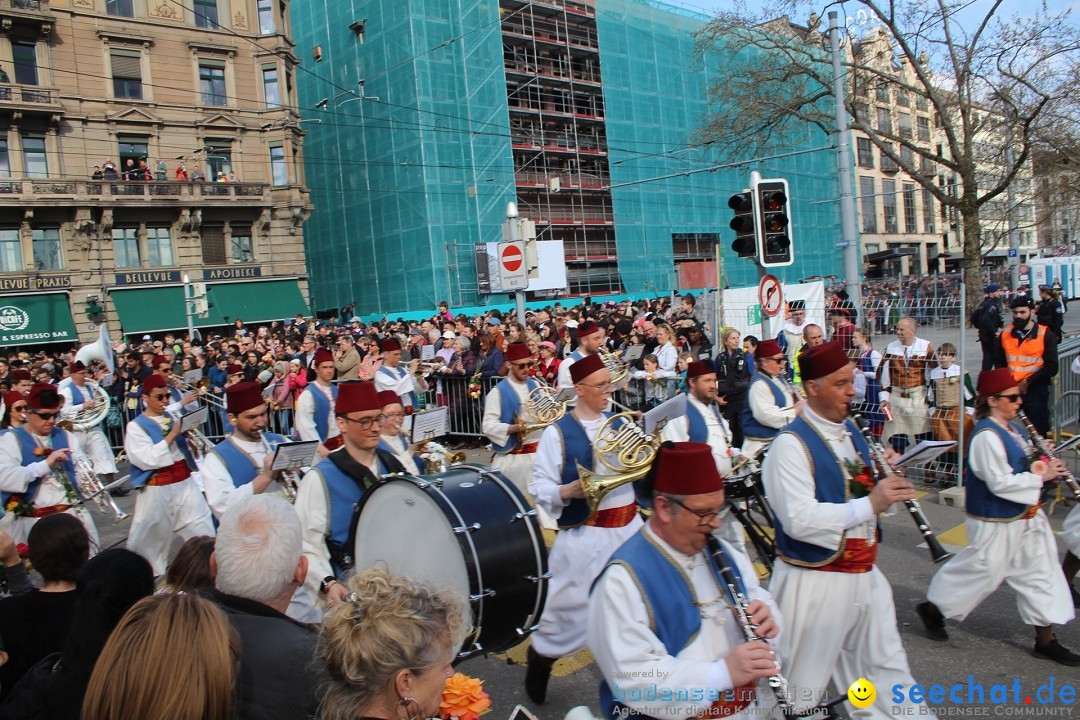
(11, 251)
(902, 98)
(884, 121)
(907, 155)
(127, 73)
(241, 249)
(278, 172)
(903, 123)
(47, 249)
(887, 164)
(694, 246)
(212, 82)
(921, 103)
(866, 153)
(926, 166)
(5, 163)
(882, 93)
(218, 158)
(923, 124)
(927, 212)
(868, 204)
(862, 112)
(119, 8)
(159, 246)
(212, 239)
(24, 57)
(888, 202)
(34, 157)
(132, 147)
(126, 247)
(266, 16)
(271, 90)
(909, 209)
(206, 13)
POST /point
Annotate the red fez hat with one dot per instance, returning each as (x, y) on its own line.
(20, 375)
(11, 397)
(159, 360)
(243, 396)
(388, 397)
(357, 397)
(43, 396)
(234, 369)
(825, 359)
(516, 351)
(389, 345)
(585, 367)
(768, 348)
(995, 382)
(698, 368)
(686, 468)
(322, 355)
(587, 328)
(78, 366)
(152, 382)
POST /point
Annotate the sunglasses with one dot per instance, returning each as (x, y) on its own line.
(45, 415)
(160, 396)
(19, 408)
(1010, 398)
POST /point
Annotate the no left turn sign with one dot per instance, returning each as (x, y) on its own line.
(770, 295)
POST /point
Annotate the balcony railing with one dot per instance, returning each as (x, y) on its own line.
(90, 190)
(25, 5)
(28, 95)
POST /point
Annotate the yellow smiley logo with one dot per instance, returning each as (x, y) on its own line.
(862, 693)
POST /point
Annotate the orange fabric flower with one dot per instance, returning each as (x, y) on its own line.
(463, 698)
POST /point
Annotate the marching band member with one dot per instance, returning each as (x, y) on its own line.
(790, 338)
(904, 373)
(1009, 536)
(169, 501)
(405, 381)
(21, 381)
(239, 465)
(840, 620)
(14, 411)
(505, 416)
(391, 437)
(81, 394)
(181, 402)
(331, 490)
(770, 402)
(315, 406)
(590, 341)
(37, 470)
(585, 540)
(663, 571)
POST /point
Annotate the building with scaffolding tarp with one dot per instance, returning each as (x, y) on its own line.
(435, 113)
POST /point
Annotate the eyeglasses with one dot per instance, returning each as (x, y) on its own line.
(365, 423)
(1010, 398)
(605, 388)
(782, 358)
(394, 416)
(521, 365)
(705, 517)
(45, 415)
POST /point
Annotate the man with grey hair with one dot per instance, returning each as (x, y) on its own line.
(904, 374)
(258, 565)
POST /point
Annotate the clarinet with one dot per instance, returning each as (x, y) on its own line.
(796, 393)
(881, 470)
(1044, 447)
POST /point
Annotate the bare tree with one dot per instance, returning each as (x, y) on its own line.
(996, 86)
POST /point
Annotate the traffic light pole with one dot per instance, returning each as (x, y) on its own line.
(189, 309)
(513, 222)
(849, 240)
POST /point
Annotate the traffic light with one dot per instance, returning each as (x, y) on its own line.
(775, 248)
(747, 237)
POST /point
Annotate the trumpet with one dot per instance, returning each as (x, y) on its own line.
(290, 481)
(90, 485)
(202, 389)
(544, 408)
(1044, 447)
(634, 451)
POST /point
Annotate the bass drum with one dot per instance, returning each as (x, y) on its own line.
(468, 529)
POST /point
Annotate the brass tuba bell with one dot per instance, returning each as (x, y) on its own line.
(634, 451)
(544, 408)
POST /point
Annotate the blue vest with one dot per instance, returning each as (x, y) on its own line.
(830, 487)
(344, 495)
(695, 423)
(139, 476)
(752, 428)
(510, 409)
(667, 594)
(980, 502)
(575, 356)
(396, 374)
(241, 466)
(58, 441)
(76, 396)
(416, 458)
(577, 450)
(322, 408)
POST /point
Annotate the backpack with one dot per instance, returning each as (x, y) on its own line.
(982, 317)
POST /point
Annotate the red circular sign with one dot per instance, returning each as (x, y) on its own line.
(511, 258)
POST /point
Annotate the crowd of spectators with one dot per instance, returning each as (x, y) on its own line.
(140, 171)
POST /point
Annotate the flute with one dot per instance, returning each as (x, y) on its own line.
(1044, 447)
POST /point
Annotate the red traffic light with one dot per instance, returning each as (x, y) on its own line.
(773, 200)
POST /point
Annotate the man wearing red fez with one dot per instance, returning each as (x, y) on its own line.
(330, 492)
(666, 570)
(181, 402)
(770, 400)
(1009, 536)
(315, 406)
(590, 341)
(586, 538)
(170, 503)
(506, 414)
(393, 439)
(817, 478)
(87, 397)
(238, 466)
(37, 470)
(21, 381)
(405, 380)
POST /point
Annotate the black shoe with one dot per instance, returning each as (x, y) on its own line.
(537, 676)
(1075, 597)
(1056, 652)
(120, 492)
(932, 620)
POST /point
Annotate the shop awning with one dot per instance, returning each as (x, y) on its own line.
(157, 309)
(35, 319)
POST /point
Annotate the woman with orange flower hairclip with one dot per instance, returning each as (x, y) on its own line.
(388, 649)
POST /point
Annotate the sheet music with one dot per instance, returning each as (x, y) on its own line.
(194, 419)
(427, 352)
(633, 352)
(924, 452)
(293, 455)
(666, 411)
(193, 377)
(430, 425)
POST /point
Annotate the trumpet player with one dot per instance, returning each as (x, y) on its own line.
(506, 416)
(315, 406)
(181, 401)
(37, 469)
(590, 338)
(391, 438)
(663, 571)
(770, 400)
(169, 502)
(85, 396)
(407, 381)
(1009, 537)
(586, 539)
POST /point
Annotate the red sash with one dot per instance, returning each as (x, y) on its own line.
(177, 472)
(613, 517)
(857, 557)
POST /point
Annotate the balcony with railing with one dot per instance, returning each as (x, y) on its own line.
(29, 99)
(70, 191)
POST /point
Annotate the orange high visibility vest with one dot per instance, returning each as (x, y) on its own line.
(1023, 358)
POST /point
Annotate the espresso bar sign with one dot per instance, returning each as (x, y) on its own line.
(39, 282)
(232, 273)
(148, 277)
